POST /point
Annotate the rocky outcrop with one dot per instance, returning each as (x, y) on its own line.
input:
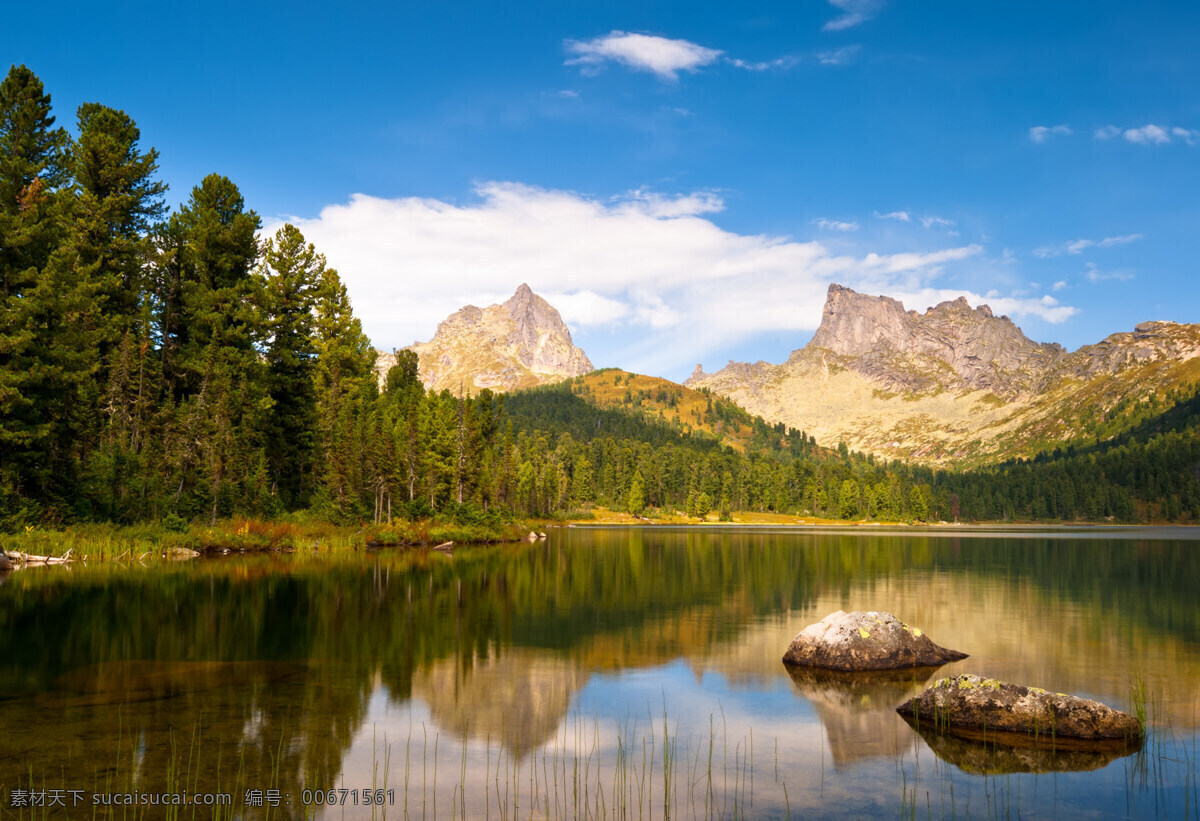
(991, 710)
(955, 385)
(519, 343)
(5, 562)
(870, 640)
(949, 346)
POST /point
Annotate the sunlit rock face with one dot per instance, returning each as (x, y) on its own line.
(520, 343)
(870, 640)
(954, 385)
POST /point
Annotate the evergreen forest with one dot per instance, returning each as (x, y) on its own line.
(161, 364)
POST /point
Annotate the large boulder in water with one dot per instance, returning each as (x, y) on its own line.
(870, 640)
(977, 707)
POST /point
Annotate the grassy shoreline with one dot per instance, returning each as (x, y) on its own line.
(107, 542)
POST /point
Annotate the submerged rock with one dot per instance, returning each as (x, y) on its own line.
(991, 710)
(871, 640)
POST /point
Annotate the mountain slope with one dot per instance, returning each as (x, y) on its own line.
(957, 386)
(519, 343)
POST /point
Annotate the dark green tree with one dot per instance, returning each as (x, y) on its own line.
(293, 271)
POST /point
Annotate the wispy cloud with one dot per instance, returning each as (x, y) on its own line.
(902, 216)
(1095, 274)
(1058, 286)
(1078, 246)
(641, 52)
(937, 222)
(1041, 133)
(1149, 134)
(646, 274)
(854, 12)
(764, 65)
(834, 225)
(838, 56)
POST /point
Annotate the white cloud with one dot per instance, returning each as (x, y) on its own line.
(838, 56)
(834, 225)
(903, 216)
(1094, 274)
(764, 65)
(1078, 246)
(1058, 286)
(1188, 135)
(931, 222)
(647, 280)
(1149, 134)
(584, 308)
(1108, 242)
(656, 205)
(1046, 308)
(642, 52)
(1041, 133)
(854, 12)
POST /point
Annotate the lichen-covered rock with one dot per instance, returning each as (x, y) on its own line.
(870, 640)
(969, 705)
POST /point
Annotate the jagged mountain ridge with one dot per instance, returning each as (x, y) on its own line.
(519, 343)
(954, 385)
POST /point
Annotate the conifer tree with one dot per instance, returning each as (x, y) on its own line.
(293, 271)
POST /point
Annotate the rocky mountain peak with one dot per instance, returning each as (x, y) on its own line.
(519, 343)
(910, 350)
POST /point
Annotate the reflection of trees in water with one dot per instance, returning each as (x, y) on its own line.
(196, 726)
(858, 710)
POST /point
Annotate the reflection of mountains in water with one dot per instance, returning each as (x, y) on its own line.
(1002, 753)
(518, 698)
(858, 710)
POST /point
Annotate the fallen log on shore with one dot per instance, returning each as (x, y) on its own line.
(29, 558)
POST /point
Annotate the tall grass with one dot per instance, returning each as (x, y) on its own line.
(149, 541)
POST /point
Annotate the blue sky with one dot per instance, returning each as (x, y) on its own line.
(682, 180)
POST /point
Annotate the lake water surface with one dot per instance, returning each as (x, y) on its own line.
(603, 672)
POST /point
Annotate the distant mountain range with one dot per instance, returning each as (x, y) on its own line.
(955, 386)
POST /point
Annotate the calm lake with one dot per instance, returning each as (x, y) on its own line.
(629, 673)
